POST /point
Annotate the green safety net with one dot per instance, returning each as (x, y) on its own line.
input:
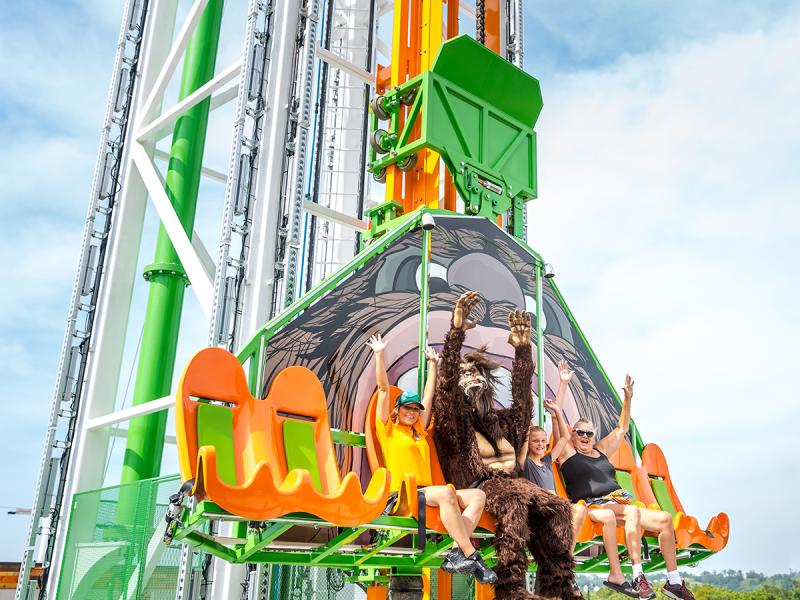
(107, 560)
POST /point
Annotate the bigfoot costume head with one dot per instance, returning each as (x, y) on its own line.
(477, 380)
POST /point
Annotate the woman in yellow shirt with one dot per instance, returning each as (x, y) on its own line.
(403, 441)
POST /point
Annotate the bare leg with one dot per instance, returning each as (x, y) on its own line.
(609, 521)
(661, 522)
(633, 532)
(630, 516)
(445, 498)
(579, 513)
(473, 501)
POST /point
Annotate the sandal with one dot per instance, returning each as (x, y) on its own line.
(622, 588)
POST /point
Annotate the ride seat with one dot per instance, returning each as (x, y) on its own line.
(688, 531)
(632, 477)
(262, 459)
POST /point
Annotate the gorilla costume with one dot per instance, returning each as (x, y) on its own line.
(476, 444)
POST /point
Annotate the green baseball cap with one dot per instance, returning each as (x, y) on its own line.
(407, 397)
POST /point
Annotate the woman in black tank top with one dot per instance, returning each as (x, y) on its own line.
(588, 477)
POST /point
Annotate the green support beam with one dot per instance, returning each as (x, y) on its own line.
(166, 275)
(424, 300)
(539, 345)
(260, 539)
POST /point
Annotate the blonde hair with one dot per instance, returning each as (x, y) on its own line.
(414, 431)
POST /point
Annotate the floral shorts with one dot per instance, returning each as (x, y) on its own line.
(619, 496)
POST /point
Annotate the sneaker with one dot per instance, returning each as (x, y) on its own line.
(453, 559)
(642, 587)
(482, 572)
(679, 592)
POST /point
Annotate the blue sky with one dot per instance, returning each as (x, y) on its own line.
(669, 205)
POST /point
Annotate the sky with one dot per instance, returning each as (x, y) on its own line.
(669, 205)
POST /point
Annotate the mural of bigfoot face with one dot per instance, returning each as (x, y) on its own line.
(468, 253)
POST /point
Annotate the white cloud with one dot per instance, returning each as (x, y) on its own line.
(669, 205)
(671, 166)
(48, 77)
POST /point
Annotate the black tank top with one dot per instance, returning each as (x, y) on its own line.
(587, 477)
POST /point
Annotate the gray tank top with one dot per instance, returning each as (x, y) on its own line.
(541, 476)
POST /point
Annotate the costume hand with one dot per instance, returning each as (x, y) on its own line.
(376, 343)
(431, 354)
(464, 305)
(564, 371)
(628, 387)
(520, 325)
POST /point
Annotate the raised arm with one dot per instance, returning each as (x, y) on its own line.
(430, 386)
(516, 419)
(561, 435)
(561, 431)
(378, 345)
(611, 443)
(565, 375)
(446, 405)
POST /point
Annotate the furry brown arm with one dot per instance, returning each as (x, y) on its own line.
(447, 396)
(516, 419)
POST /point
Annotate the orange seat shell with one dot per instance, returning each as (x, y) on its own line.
(687, 529)
(265, 488)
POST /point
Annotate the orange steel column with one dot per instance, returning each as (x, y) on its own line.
(493, 25)
(484, 592)
(422, 183)
(493, 38)
(416, 37)
(426, 584)
(449, 188)
(399, 74)
(444, 585)
(376, 592)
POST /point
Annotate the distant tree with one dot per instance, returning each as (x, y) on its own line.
(714, 585)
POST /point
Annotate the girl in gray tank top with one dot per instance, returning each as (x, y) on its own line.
(537, 464)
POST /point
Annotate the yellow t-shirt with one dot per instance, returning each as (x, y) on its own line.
(402, 453)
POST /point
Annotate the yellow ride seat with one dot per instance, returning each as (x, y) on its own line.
(262, 459)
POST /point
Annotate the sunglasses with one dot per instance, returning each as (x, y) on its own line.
(582, 433)
(411, 407)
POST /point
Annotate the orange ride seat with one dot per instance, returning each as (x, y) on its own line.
(688, 531)
(589, 530)
(632, 477)
(262, 459)
(407, 505)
